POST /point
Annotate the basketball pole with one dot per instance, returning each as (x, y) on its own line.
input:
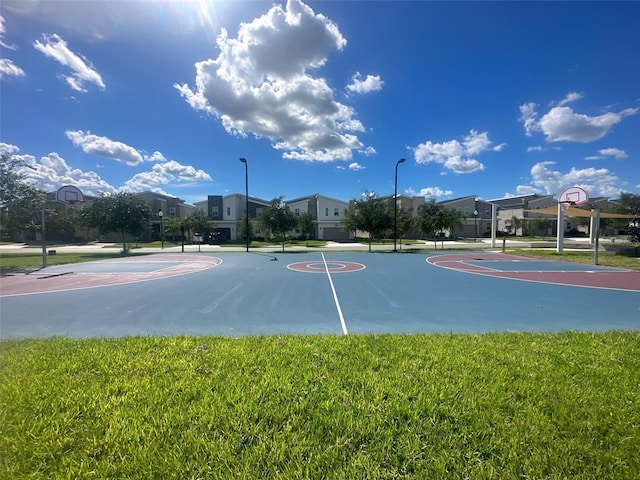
(560, 228)
(44, 237)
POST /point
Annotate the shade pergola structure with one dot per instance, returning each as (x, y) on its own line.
(579, 212)
(595, 215)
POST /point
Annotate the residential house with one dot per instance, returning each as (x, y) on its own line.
(171, 207)
(227, 211)
(475, 215)
(516, 213)
(327, 214)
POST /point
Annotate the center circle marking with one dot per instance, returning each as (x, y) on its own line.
(331, 267)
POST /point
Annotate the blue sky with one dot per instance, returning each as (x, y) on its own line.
(481, 98)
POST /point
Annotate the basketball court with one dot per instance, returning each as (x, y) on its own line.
(339, 293)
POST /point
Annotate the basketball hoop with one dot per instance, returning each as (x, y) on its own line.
(573, 196)
(69, 195)
(565, 205)
(569, 197)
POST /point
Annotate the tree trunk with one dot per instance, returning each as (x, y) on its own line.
(124, 244)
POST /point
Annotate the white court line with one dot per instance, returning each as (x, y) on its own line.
(335, 297)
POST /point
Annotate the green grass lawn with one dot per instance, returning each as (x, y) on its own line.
(502, 406)
(604, 259)
(15, 262)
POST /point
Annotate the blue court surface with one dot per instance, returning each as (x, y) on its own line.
(338, 293)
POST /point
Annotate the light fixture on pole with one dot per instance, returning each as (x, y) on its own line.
(246, 196)
(160, 214)
(475, 226)
(395, 205)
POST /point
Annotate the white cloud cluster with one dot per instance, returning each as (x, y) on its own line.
(7, 67)
(82, 71)
(562, 124)
(164, 174)
(105, 147)
(546, 180)
(52, 172)
(456, 156)
(608, 152)
(371, 83)
(261, 84)
(434, 192)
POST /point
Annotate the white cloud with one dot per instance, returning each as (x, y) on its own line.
(434, 192)
(155, 157)
(7, 67)
(10, 69)
(355, 166)
(371, 83)
(253, 88)
(52, 172)
(105, 147)
(3, 31)
(164, 174)
(82, 71)
(454, 155)
(562, 124)
(571, 97)
(534, 149)
(613, 152)
(597, 182)
(368, 151)
(8, 148)
(526, 190)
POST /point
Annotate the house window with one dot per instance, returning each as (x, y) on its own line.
(228, 211)
(172, 212)
(258, 212)
(336, 212)
(486, 211)
(466, 210)
(214, 212)
(326, 212)
(297, 211)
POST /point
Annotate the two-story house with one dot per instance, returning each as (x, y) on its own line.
(327, 214)
(227, 211)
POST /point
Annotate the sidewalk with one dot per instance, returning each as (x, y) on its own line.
(484, 243)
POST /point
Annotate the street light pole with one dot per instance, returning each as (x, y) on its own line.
(475, 226)
(246, 196)
(161, 214)
(395, 205)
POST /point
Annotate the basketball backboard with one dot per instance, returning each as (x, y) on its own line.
(69, 194)
(573, 196)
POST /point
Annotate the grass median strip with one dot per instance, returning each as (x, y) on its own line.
(423, 406)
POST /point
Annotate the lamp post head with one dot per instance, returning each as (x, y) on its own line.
(243, 160)
(475, 213)
(160, 213)
(402, 160)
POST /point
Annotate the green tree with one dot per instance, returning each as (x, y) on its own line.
(20, 202)
(199, 222)
(516, 224)
(371, 214)
(405, 222)
(629, 204)
(433, 219)
(172, 226)
(278, 219)
(242, 229)
(304, 223)
(123, 213)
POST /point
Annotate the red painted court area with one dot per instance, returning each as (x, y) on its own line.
(115, 272)
(515, 267)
